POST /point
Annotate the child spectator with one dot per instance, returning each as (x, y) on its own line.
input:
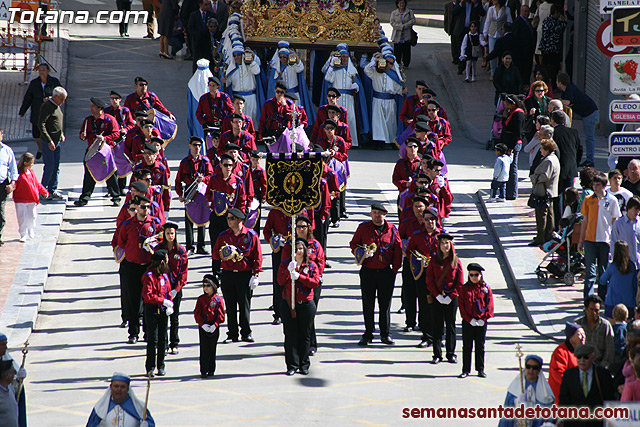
(471, 50)
(615, 187)
(500, 173)
(26, 198)
(209, 314)
(620, 316)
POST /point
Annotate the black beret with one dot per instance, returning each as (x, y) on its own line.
(430, 211)
(255, 154)
(236, 212)
(114, 93)
(303, 218)
(100, 103)
(196, 139)
(330, 122)
(379, 207)
(291, 95)
(334, 108)
(140, 113)
(302, 241)
(239, 98)
(445, 236)
(142, 199)
(422, 118)
(334, 90)
(140, 79)
(227, 156)
(215, 80)
(435, 162)
(232, 146)
(430, 92)
(159, 255)
(211, 279)
(474, 266)
(434, 102)
(412, 140)
(421, 83)
(237, 116)
(423, 127)
(170, 225)
(141, 172)
(149, 146)
(140, 186)
(420, 199)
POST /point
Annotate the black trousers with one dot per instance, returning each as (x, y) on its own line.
(444, 314)
(132, 275)
(334, 212)
(456, 43)
(409, 297)
(320, 232)
(276, 259)
(125, 6)
(208, 347)
(174, 339)
(424, 308)
(124, 296)
(473, 335)
(343, 202)
(297, 333)
(402, 52)
(3, 203)
(217, 224)
(316, 299)
(122, 185)
(237, 297)
(188, 226)
(156, 329)
(89, 184)
(380, 282)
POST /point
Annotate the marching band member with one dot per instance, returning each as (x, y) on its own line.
(213, 135)
(342, 130)
(274, 116)
(144, 100)
(209, 314)
(238, 107)
(406, 169)
(259, 178)
(213, 106)
(159, 173)
(438, 125)
(377, 248)
(277, 232)
(333, 95)
(241, 75)
(103, 128)
(125, 120)
(145, 187)
(242, 169)
(239, 137)
(412, 102)
(303, 119)
(440, 187)
(238, 250)
(194, 167)
(135, 139)
(337, 148)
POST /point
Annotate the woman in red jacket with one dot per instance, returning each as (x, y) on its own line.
(444, 278)
(476, 308)
(297, 320)
(156, 294)
(209, 315)
(178, 268)
(26, 197)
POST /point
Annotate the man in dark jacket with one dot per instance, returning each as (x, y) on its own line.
(187, 8)
(507, 43)
(449, 23)
(39, 90)
(585, 385)
(569, 153)
(465, 12)
(524, 32)
(199, 33)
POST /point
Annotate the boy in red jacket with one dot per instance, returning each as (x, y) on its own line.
(209, 315)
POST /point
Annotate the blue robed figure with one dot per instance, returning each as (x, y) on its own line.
(119, 406)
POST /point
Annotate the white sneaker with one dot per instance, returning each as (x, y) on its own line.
(32, 234)
(23, 239)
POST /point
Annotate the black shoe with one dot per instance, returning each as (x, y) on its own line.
(335, 224)
(344, 215)
(248, 338)
(408, 329)
(204, 375)
(132, 340)
(115, 203)
(290, 372)
(174, 350)
(533, 243)
(436, 360)
(80, 203)
(387, 340)
(230, 339)
(148, 36)
(161, 372)
(586, 163)
(38, 155)
(481, 374)
(123, 324)
(190, 252)
(452, 359)
(424, 343)
(312, 351)
(327, 265)
(151, 374)
(202, 251)
(276, 321)
(270, 308)
(365, 342)
(463, 375)
(304, 371)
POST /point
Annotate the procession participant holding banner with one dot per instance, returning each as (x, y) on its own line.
(421, 248)
(290, 72)
(237, 136)
(225, 190)
(135, 231)
(159, 173)
(277, 232)
(125, 120)
(333, 95)
(214, 106)
(101, 131)
(274, 116)
(259, 179)
(377, 248)
(300, 119)
(15, 385)
(238, 108)
(238, 250)
(135, 139)
(194, 172)
(119, 406)
(298, 277)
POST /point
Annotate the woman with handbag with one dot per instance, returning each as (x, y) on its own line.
(536, 104)
(545, 189)
(403, 37)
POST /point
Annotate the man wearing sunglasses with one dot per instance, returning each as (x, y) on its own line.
(274, 116)
(440, 187)
(144, 100)
(214, 105)
(141, 133)
(586, 385)
(333, 95)
(407, 113)
(438, 125)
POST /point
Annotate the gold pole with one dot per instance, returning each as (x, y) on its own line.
(146, 398)
(25, 350)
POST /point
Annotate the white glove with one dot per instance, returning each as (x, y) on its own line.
(22, 373)
(369, 254)
(254, 282)
(282, 242)
(205, 327)
(294, 275)
(474, 322)
(480, 322)
(440, 299)
(166, 215)
(212, 328)
(169, 311)
(167, 303)
(446, 300)
(440, 180)
(144, 424)
(354, 86)
(173, 293)
(292, 266)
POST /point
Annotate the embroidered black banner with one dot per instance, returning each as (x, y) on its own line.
(293, 181)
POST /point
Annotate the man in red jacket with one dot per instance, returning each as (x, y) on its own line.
(440, 187)
(377, 248)
(274, 116)
(406, 169)
(143, 100)
(214, 106)
(239, 137)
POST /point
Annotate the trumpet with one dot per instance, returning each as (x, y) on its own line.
(370, 249)
(226, 254)
(151, 243)
(424, 258)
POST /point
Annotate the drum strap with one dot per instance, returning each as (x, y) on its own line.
(218, 107)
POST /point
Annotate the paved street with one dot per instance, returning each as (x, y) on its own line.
(76, 344)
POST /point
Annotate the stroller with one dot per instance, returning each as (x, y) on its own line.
(563, 264)
(496, 125)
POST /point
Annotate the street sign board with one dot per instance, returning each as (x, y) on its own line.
(4, 10)
(623, 74)
(625, 26)
(624, 143)
(624, 111)
(603, 41)
(606, 6)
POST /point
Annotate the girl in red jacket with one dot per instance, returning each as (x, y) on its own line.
(476, 308)
(209, 315)
(26, 197)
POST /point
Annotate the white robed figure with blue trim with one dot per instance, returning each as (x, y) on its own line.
(120, 407)
(537, 391)
(241, 77)
(198, 85)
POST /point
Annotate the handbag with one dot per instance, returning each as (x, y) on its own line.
(414, 38)
(538, 202)
(476, 51)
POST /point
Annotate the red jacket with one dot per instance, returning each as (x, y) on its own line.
(277, 223)
(134, 143)
(27, 188)
(343, 131)
(148, 101)
(453, 279)
(389, 248)
(309, 280)
(561, 360)
(247, 126)
(316, 254)
(425, 243)
(274, 116)
(403, 170)
(322, 211)
(407, 112)
(248, 244)
(123, 215)
(178, 266)
(155, 288)
(338, 145)
(159, 176)
(123, 116)
(445, 197)
(321, 116)
(241, 170)
(442, 128)
(245, 140)
(214, 109)
(105, 125)
(209, 310)
(259, 178)
(233, 186)
(475, 302)
(133, 235)
(189, 167)
(332, 179)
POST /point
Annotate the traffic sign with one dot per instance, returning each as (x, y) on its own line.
(625, 27)
(624, 143)
(624, 75)
(624, 111)
(606, 6)
(603, 41)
